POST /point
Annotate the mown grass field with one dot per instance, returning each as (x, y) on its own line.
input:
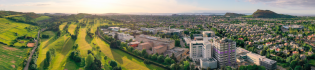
(71, 28)
(62, 26)
(61, 44)
(84, 46)
(125, 60)
(11, 58)
(10, 30)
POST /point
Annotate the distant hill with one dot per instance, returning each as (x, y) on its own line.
(269, 14)
(234, 14)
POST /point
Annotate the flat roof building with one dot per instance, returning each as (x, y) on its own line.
(268, 63)
(208, 62)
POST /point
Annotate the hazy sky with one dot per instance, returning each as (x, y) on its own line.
(158, 6)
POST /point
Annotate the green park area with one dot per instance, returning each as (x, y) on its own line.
(64, 46)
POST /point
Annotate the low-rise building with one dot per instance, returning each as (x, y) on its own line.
(133, 44)
(154, 44)
(268, 63)
(125, 37)
(178, 52)
(208, 62)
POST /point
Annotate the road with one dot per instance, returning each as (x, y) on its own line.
(36, 45)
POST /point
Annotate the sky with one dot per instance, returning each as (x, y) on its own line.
(159, 6)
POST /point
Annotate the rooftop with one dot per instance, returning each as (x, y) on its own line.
(269, 61)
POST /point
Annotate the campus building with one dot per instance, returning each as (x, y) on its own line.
(224, 52)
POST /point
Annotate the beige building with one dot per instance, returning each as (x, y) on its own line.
(159, 49)
(254, 58)
(154, 44)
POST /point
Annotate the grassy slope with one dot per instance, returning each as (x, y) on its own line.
(62, 25)
(7, 30)
(72, 28)
(60, 59)
(125, 60)
(58, 44)
(42, 18)
(83, 45)
(11, 56)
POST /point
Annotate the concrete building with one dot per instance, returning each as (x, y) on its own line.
(178, 52)
(241, 50)
(225, 52)
(293, 26)
(114, 28)
(208, 62)
(195, 52)
(125, 37)
(268, 63)
(207, 49)
(208, 34)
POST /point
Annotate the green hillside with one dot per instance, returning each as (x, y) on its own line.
(234, 14)
(269, 14)
(11, 30)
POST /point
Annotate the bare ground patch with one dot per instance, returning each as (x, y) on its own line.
(12, 61)
(10, 48)
(19, 56)
(13, 66)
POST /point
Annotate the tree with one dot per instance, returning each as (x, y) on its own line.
(143, 52)
(307, 66)
(167, 60)
(192, 67)
(288, 60)
(228, 68)
(160, 58)
(88, 61)
(33, 67)
(153, 57)
(208, 68)
(47, 60)
(117, 68)
(173, 61)
(172, 67)
(173, 56)
(268, 55)
(298, 67)
(186, 65)
(293, 64)
(113, 63)
(105, 58)
(262, 52)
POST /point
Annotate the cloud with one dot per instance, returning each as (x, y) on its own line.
(305, 4)
(42, 4)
